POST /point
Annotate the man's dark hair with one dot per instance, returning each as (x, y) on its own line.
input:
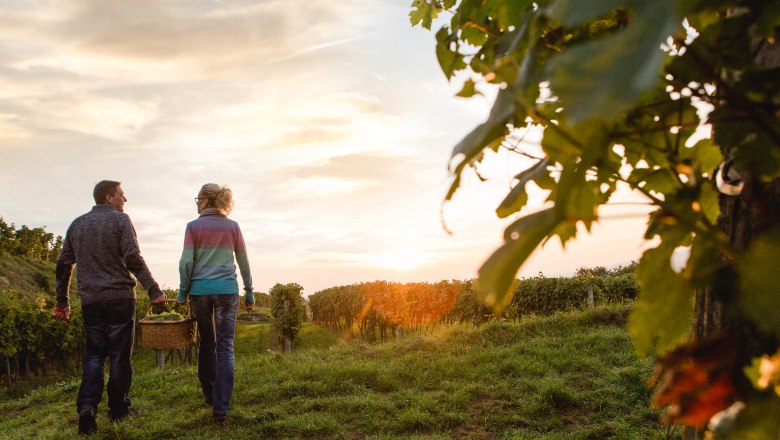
(104, 188)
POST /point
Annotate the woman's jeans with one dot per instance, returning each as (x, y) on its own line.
(109, 327)
(216, 316)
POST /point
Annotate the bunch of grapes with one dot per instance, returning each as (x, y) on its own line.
(165, 316)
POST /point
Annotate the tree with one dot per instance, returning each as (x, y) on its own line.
(620, 88)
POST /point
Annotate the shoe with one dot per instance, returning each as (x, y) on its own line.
(219, 420)
(121, 416)
(87, 423)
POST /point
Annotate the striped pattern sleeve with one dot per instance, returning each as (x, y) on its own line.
(186, 263)
(243, 265)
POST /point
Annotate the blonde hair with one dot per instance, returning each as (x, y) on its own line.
(218, 196)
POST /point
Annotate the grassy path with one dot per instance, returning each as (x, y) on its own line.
(563, 377)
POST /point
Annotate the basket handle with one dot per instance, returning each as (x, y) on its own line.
(172, 301)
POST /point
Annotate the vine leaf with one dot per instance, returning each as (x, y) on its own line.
(759, 421)
(450, 60)
(518, 197)
(482, 136)
(606, 76)
(758, 281)
(664, 305)
(423, 12)
(497, 274)
(469, 89)
(573, 12)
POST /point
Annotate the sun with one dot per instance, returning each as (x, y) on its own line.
(401, 259)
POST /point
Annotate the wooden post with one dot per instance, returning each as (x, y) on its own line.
(287, 341)
(8, 371)
(591, 301)
(160, 359)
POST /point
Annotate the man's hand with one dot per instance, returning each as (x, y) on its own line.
(248, 306)
(61, 313)
(162, 299)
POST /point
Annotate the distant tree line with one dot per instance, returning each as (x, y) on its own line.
(382, 309)
(33, 243)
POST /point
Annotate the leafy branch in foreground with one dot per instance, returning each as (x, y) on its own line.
(623, 89)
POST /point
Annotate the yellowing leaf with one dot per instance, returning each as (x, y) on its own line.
(468, 89)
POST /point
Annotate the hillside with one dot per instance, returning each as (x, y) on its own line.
(30, 276)
(570, 376)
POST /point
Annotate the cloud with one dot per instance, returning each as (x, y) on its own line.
(211, 36)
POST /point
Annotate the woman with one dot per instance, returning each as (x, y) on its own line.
(208, 276)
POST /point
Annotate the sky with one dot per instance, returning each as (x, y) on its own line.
(330, 121)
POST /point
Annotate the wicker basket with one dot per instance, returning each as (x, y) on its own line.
(168, 335)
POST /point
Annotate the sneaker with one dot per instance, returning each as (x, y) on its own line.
(119, 417)
(219, 420)
(87, 423)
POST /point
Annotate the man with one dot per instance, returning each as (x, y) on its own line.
(102, 244)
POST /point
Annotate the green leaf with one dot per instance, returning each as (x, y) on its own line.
(468, 89)
(759, 421)
(753, 372)
(759, 280)
(450, 60)
(710, 203)
(703, 261)
(701, 20)
(769, 20)
(508, 13)
(474, 36)
(565, 232)
(574, 12)
(518, 197)
(662, 313)
(482, 136)
(497, 274)
(422, 12)
(606, 76)
(579, 200)
(705, 155)
(661, 180)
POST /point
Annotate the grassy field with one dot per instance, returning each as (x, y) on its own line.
(571, 376)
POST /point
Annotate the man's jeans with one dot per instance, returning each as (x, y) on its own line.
(216, 316)
(109, 327)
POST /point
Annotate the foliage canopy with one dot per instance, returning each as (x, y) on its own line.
(621, 88)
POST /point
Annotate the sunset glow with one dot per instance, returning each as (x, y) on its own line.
(334, 134)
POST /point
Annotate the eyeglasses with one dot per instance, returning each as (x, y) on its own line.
(199, 198)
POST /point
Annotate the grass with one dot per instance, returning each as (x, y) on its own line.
(570, 376)
(32, 277)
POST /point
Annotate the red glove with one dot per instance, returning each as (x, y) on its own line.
(61, 313)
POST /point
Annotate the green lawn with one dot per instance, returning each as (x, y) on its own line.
(570, 376)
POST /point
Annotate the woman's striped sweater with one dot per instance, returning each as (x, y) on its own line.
(212, 243)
